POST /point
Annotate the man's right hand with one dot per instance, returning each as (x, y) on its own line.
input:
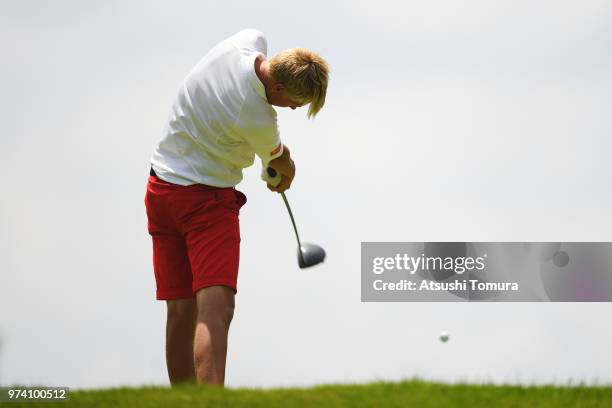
(284, 166)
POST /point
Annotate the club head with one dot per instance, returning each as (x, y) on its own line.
(310, 255)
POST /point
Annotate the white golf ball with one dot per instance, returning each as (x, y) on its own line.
(444, 336)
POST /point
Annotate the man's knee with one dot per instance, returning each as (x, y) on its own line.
(216, 305)
(216, 314)
(222, 314)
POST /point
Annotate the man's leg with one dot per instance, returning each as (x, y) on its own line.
(180, 330)
(215, 311)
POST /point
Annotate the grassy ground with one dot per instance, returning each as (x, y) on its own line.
(412, 393)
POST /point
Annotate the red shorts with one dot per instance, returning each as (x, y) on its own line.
(196, 236)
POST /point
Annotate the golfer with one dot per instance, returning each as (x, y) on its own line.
(220, 119)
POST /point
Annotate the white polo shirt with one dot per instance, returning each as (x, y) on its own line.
(220, 118)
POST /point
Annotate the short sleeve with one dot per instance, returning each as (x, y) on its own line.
(266, 143)
(256, 123)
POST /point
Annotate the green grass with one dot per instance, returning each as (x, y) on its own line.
(413, 393)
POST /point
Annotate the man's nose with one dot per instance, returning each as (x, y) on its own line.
(292, 107)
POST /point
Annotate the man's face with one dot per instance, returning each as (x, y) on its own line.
(278, 96)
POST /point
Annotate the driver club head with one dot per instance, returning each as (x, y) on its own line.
(310, 255)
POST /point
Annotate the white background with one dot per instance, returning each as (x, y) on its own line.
(470, 121)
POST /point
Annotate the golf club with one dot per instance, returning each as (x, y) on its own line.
(308, 254)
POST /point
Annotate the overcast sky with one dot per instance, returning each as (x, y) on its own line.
(445, 120)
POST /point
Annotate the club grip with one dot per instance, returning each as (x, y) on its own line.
(270, 176)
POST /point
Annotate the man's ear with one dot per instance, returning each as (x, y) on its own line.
(279, 88)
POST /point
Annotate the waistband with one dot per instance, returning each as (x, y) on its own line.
(194, 187)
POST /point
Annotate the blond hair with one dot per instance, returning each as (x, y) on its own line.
(304, 74)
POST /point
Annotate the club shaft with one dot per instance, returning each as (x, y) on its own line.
(292, 222)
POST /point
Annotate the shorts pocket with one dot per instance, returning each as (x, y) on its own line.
(233, 202)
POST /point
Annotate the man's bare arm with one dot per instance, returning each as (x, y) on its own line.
(284, 166)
